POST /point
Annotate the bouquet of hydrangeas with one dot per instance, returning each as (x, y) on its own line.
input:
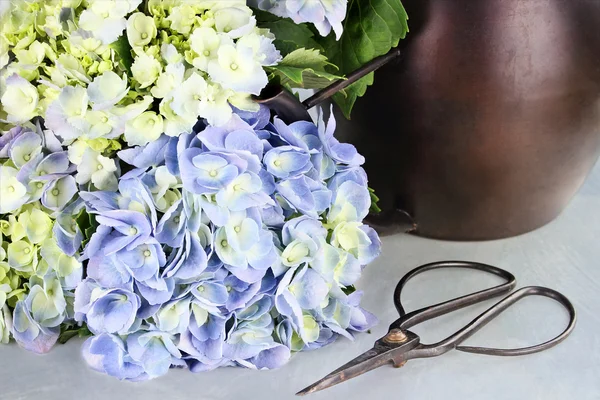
(148, 202)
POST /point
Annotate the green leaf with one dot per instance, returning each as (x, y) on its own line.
(69, 331)
(371, 29)
(291, 36)
(263, 16)
(83, 220)
(374, 200)
(304, 68)
(66, 336)
(87, 224)
(123, 50)
(349, 289)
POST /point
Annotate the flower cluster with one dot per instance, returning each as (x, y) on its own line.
(233, 246)
(37, 276)
(94, 68)
(147, 200)
(324, 14)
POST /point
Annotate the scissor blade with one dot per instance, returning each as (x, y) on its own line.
(376, 357)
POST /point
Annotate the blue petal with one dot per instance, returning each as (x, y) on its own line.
(272, 358)
(156, 290)
(309, 288)
(152, 154)
(106, 353)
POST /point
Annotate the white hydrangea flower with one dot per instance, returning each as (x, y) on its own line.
(76, 150)
(145, 128)
(13, 194)
(20, 99)
(182, 18)
(168, 80)
(98, 169)
(141, 29)
(107, 90)
(81, 41)
(66, 115)
(34, 55)
(163, 193)
(70, 67)
(215, 105)
(187, 97)
(236, 68)
(205, 42)
(30, 59)
(234, 21)
(170, 54)
(175, 124)
(145, 69)
(102, 124)
(105, 19)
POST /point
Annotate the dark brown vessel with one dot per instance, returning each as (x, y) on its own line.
(490, 121)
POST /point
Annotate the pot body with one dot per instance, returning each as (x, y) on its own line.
(490, 121)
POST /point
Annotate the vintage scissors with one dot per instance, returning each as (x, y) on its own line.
(401, 345)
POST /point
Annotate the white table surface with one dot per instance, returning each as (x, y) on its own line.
(564, 255)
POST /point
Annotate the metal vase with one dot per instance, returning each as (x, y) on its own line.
(489, 122)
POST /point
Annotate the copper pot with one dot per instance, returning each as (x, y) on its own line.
(490, 121)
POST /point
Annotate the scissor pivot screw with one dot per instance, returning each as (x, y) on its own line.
(395, 336)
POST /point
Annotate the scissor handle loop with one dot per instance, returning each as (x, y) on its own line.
(502, 305)
(426, 313)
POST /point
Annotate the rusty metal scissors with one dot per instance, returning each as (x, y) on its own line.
(401, 345)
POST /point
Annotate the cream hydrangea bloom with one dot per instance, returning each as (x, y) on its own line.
(101, 123)
(145, 128)
(145, 69)
(234, 20)
(66, 115)
(105, 19)
(205, 42)
(168, 80)
(236, 68)
(22, 256)
(13, 194)
(175, 124)
(188, 96)
(19, 100)
(182, 18)
(164, 192)
(98, 169)
(37, 223)
(61, 263)
(76, 150)
(71, 68)
(170, 54)
(140, 29)
(107, 90)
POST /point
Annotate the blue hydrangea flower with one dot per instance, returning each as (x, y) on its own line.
(154, 351)
(287, 161)
(106, 310)
(29, 333)
(324, 14)
(249, 260)
(106, 353)
(207, 172)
